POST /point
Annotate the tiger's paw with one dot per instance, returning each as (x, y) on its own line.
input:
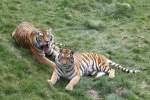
(111, 76)
(50, 82)
(111, 73)
(69, 88)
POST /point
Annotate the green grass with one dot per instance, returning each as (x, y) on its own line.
(119, 29)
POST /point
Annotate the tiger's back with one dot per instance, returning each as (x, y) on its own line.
(22, 34)
(91, 62)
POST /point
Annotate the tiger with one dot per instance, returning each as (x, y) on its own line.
(38, 41)
(72, 66)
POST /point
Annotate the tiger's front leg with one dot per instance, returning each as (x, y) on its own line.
(42, 59)
(72, 83)
(53, 79)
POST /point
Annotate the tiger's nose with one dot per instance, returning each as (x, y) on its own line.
(47, 41)
(64, 62)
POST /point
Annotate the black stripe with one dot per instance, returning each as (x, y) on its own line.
(93, 66)
(86, 62)
(110, 63)
(123, 69)
(117, 66)
(101, 65)
(128, 71)
(71, 73)
(60, 70)
(96, 66)
(81, 67)
(69, 69)
(120, 67)
(106, 68)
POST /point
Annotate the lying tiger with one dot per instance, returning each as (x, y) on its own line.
(39, 42)
(72, 66)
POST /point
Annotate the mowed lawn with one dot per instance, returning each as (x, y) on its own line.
(118, 29)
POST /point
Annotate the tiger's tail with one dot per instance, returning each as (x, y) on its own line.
(118, 66)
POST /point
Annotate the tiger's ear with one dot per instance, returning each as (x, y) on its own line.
(35, 32)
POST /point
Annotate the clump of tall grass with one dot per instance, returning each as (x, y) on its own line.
(95, 24)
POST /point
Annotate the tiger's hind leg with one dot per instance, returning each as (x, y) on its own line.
(111, 73)
(99, 74)
(93, 73)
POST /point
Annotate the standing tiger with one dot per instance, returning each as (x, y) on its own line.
(39, 42)
(72, 66)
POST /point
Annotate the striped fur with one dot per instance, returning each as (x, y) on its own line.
(72, 66)
(39, 42)
(88, 64)
(118, 66)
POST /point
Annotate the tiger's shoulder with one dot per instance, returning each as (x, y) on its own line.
(89, 54)
(23, 28)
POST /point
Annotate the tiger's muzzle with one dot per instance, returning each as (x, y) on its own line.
(45, 46)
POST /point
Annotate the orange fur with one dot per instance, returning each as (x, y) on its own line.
(79, 58)
(72, 66)
(25, 37)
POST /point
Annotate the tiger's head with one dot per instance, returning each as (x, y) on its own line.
(43, 40)
(65, 57)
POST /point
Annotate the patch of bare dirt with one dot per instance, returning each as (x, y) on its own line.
(94, 94)
(119, 91)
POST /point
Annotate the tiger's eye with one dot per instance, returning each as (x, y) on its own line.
(50, 38)
(41, 34)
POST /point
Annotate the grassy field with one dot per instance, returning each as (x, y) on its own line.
(118, 29)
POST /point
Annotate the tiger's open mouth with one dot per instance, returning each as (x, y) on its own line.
(45, 48)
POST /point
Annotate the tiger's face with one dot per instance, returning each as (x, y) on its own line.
(65, 57)
(43, 40)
